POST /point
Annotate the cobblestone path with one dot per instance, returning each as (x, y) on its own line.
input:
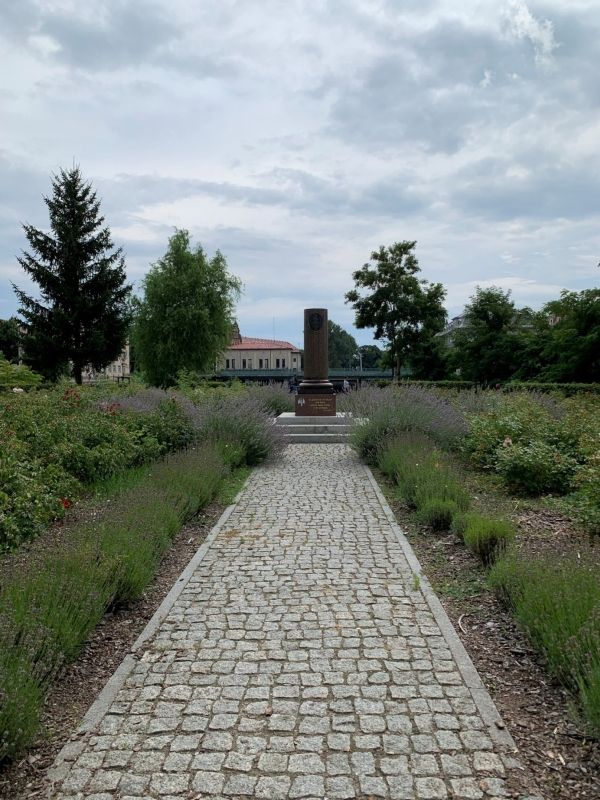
(302, 659)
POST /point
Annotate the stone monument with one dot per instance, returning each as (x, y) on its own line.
(316, 395)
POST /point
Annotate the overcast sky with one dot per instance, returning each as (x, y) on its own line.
(296, 136)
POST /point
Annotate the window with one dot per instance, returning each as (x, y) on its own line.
(226, 363)
(283, 363)
(276, 363)
(233, 363)
(243, 363)
(294, 360)
(260, 363)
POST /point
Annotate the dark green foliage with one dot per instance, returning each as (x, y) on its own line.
(52, 443)
(571, 347)
(82, 317)
(405, 311)
(10, 339)
(343, 349)
(184, 320)
(535, 468)
(370, 356)
(488, 348)
(437, 513)
(485, 537)
(564, 389)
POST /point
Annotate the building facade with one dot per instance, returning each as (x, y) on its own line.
(116, 370)
(250, 353)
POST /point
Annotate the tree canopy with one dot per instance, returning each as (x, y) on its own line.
(405, 311)
(82, 317)
(185, 318)
(370, 356)
(489, 345)
(342, 347)
(570, 329)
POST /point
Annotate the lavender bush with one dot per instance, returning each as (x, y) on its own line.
(49, 608)
(242, 428)
(390, 411)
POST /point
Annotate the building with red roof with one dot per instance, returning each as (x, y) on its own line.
(251, 353)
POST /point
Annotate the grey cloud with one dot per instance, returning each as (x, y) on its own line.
(438, 104)
(550, 190)
(133, 32)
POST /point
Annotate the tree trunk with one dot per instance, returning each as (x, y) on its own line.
(398, 366)
(77, 373)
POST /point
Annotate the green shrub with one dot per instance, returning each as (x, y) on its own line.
(558, 604)
(420, 472)
(485, 537)
(535, 468)
(437, 513)
(17, 376)
(516, 419)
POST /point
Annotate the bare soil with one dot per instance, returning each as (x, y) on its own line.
(82, 681)
(538, 713)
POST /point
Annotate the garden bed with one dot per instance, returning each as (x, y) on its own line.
(79, 685)
(537, 711)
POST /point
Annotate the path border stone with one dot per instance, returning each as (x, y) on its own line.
(481, 697)
(479, 694)
(115, 683)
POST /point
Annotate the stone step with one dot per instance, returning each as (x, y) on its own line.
(289, 418)
(314, 428)
(317, 438)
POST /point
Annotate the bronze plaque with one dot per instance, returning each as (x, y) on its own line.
(315, 405)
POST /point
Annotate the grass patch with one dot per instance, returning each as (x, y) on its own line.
(121, 482)
(232, 484)
(461, 588)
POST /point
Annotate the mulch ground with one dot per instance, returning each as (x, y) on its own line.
(80, 684)
(537, 712)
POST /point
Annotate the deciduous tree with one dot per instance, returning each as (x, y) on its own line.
(406, 311)
(82, 316)
(571, 342)
(185, 317)
(370, 356)
(489, 346)
(342, 347)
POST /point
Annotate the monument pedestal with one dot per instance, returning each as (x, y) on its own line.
(316, 395)
(315, 405)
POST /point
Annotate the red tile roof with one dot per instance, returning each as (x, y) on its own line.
(249, 343)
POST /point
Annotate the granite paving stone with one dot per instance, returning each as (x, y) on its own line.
(300, 659)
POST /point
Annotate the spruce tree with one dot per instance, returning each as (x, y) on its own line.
(82, 317)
